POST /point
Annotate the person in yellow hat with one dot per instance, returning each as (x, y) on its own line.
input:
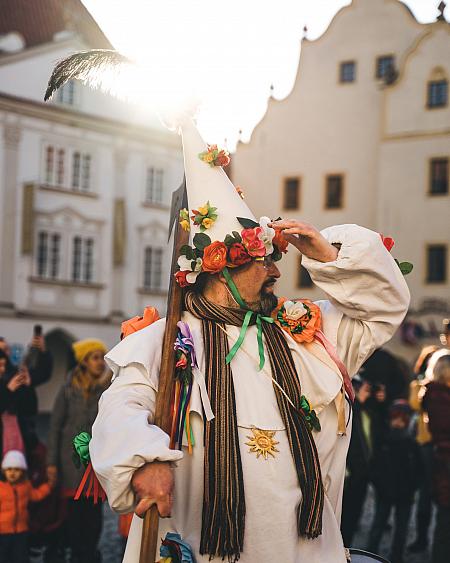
(74, 411)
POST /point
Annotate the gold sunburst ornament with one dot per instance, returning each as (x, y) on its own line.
(262, 443)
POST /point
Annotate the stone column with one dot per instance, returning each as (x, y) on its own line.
(11, 139)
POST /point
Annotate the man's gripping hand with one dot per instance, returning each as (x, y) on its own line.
(153, 483)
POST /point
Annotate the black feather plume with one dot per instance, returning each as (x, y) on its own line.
(96, 68)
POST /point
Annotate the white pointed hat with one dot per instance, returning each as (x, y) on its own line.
(210, 183)
(223, 229)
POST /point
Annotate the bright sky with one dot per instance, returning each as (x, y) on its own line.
(228, 53)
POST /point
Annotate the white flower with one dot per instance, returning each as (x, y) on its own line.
(294, 310)
(267, 234)
(186, 265)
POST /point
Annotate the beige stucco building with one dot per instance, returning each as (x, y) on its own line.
(364, 137)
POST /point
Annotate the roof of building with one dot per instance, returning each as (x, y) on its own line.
(38, 21)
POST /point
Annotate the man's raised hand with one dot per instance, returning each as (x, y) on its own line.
(307, 239)
(153, 484)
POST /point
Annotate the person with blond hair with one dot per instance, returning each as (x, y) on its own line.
(417, 390)
(74, 411)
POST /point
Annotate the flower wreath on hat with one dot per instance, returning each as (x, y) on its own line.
(254, 241)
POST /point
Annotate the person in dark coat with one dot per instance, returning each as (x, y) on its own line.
(394, 473)
(75, 410)
(436, 403)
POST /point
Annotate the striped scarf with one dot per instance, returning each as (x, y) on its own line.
(223, 517)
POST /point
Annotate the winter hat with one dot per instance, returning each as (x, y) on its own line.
(223, 232)
(14, 460)
(84, 347)
(400, 409)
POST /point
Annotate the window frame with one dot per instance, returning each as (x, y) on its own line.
(151, 287)
(343, 186)
(51, 233)
(159, 179)
(300, 270)
(377, 61)
(286, 180)
(430, 82)
(428, 247)
(432, 160)
(84, 238)
(341, 66)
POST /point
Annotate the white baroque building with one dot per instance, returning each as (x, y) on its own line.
(364, 137)
(85, 188)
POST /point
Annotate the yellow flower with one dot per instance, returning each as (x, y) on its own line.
(203, 210)
(207, 222)
(184, 225)
(209, 157)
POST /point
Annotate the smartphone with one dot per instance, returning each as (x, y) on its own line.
(37, 330)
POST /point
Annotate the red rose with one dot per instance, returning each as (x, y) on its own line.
(279, 241)
(181, 278)
(222, 159)
(388, 242)
(237, 255)
(214, 257)
(252, 242)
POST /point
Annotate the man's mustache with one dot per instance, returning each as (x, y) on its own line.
(270, 281)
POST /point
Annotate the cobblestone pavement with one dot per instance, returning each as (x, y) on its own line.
(111, 544)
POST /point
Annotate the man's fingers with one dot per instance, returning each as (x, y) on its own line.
(292, 239)
(165, 506)
(142, 506)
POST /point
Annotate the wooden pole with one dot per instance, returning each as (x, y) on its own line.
(163, 416)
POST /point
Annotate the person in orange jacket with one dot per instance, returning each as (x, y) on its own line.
(16, 492)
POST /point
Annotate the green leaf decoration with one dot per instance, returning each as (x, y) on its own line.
(229, 240)
(406, 268)
(247, 223)
(237, 236)
(187, 251)
(201, 241)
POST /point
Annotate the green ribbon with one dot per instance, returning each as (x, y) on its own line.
(247, 319)
(81, 447)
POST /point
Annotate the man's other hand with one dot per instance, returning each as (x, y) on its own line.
(153, 483)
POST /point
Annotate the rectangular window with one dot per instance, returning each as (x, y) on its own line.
(152, 268)
(154, 185)
(436, 263)
(304, 279)
(60, 167)
(83, 260)
(437, 93)
(76, 259)
(66, 93)
(49, 164)
(42, 254)
(347, 71)
(334, 191)
(76, 170)
(86, 172)
(48, 255)
(439, 176)
(55, 256)
(384, 65)
(291, 196)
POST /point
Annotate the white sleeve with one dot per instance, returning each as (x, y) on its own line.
(368, 296)
(123, 436)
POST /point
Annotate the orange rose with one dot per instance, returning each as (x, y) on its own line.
(279, 241)
(214, 257)
(304, 328)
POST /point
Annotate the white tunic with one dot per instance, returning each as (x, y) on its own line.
(368, 299)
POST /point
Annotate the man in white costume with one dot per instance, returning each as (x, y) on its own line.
(256, 487)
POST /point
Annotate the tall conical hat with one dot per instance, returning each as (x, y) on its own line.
(223, 230)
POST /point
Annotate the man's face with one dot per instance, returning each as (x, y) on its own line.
(256, 282)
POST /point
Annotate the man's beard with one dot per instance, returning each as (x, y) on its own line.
(268, 303)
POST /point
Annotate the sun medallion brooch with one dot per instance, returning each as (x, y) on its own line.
(262, 443)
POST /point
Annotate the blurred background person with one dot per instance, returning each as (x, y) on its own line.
(423, 437)
(436, 403)
(394, 473)
(75, 410)
(16, 493)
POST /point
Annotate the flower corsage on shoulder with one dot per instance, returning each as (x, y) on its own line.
(301, 318)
